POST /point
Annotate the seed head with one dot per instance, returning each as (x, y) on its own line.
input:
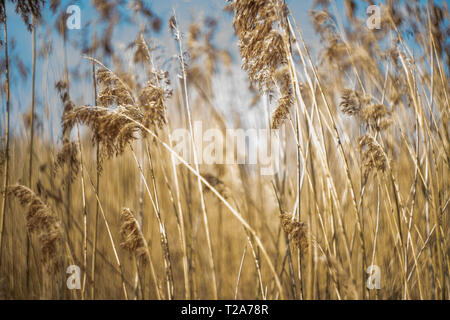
(297, 231)
(263, 40)
(42, 222)
(373, 155)
(69, 156)
(377, 117)
(132, 237)
(114, 128)
(351, 102)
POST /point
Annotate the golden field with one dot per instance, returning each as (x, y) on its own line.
(363, 179)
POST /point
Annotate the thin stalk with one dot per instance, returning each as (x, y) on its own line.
(162, 229)
(338, 140)
(240, 272)
(30, 164)
(179, 215)
(180, 220)
(83, 194)
(322, 151)
(376, 230)
(69, 169)
(169, 274)
(152, 268)
(116, 255)
(194, 147)
(97, 184)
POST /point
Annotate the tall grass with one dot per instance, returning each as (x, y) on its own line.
(364, 164)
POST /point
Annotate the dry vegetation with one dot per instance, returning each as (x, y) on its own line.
(364, 176)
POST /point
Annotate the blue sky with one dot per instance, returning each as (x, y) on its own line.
(50, 70)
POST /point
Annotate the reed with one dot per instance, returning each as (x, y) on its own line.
(362, 181)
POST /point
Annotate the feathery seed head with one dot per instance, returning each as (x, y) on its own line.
(260, 26)
(285, 101)
(114, 128)
(373, 155)
(69, 156)
(132, 238)
(297, 231)
(377, 117)
(218, 184)
(42, 222)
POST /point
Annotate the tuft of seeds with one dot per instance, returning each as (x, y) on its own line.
(142, 53)
(115, 129)
(297, 231)
(351, 103)
(69, 155)
(132, 238)
(63, 90)
(113, 91)
(42, 222)
(217, 184)
(377, 117)
(152, 99)
(285, 101)
(373, 155)
(27, 10)
(260, 26)
(69, 152)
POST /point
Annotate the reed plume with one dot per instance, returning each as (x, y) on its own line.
(361, 99)
(377, 117)
(69, 155)
(27, 10)
(112, 89)
(117, 120)
(42, 222)
(373, 155)
(263, 44)
(351, 102)
(152, 100)
(114, 131)
(142, 51)
(286, 100)
(218, 184)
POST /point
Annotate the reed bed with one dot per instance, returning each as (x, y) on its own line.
(362, 183)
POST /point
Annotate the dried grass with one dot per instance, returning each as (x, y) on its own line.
(42, 222)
